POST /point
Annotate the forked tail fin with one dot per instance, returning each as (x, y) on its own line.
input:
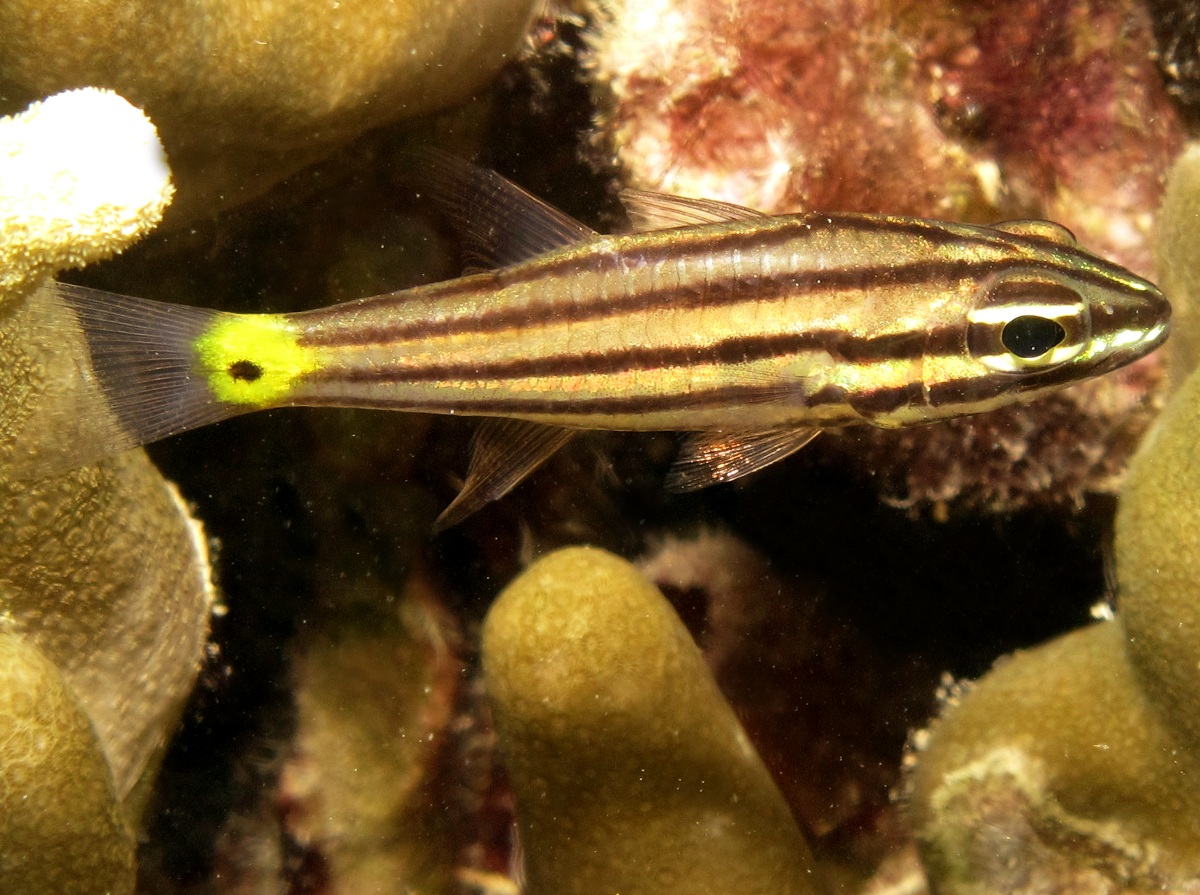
(111, 372)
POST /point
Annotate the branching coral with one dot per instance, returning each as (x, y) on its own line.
(375, 689)
(82, 176)
(630, 771)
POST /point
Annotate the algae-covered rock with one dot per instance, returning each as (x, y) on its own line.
(245, 93)
(963, 111)
(101, 567)
(60, 824)
(375, 687)
(629, 769)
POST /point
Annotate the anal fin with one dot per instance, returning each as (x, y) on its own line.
(709, 458)
(503, 452)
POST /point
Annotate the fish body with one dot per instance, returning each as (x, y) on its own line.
(810, 320)
(753, 332)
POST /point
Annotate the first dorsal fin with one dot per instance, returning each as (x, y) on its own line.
(500, 224)
(660, 211)
(1039, 229)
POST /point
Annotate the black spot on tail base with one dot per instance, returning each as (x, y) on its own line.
(245, 371)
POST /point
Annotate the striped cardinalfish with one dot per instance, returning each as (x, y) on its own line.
(749, 332)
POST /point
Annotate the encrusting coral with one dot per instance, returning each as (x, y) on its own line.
(246, 93)
(102, 571)
(1075, 766)
(629, 770)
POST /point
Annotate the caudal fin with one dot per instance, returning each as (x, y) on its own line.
(135, 377)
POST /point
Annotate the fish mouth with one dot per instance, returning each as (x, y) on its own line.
(1136, 330)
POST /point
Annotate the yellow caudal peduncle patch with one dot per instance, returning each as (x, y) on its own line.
(253, 359)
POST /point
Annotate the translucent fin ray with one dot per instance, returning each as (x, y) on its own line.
(503, 453)
(709, 458)
(660, 211)
(499, 222)
(135, 379)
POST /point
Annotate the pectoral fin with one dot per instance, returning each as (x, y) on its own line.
(503, 452)
(709, 458)
(660, 211)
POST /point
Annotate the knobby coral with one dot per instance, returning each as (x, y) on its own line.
(61, 830)
(103, 574)
(245, 94)
(630, 772)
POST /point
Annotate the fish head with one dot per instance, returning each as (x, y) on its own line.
(1037, 323)
(1052, 326)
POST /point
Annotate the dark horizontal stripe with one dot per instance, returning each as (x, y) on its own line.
(1087, 267)
(725, 290)
(738, 350)
(974, 389)
(886, 399)
(568, 405)
(491, 319)
(1040, 291)
(1143, 315)
(893, 346)
(584, 259)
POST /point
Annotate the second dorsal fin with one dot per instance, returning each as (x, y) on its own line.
(500, 224)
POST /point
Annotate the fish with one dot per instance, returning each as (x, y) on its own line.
(747, 332)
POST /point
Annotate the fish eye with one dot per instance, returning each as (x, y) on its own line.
(1029, 336)
(1025, 321)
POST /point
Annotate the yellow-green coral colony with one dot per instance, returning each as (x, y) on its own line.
(752, 332)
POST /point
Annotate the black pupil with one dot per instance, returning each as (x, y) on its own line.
(245, 370)
(1028, 336)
